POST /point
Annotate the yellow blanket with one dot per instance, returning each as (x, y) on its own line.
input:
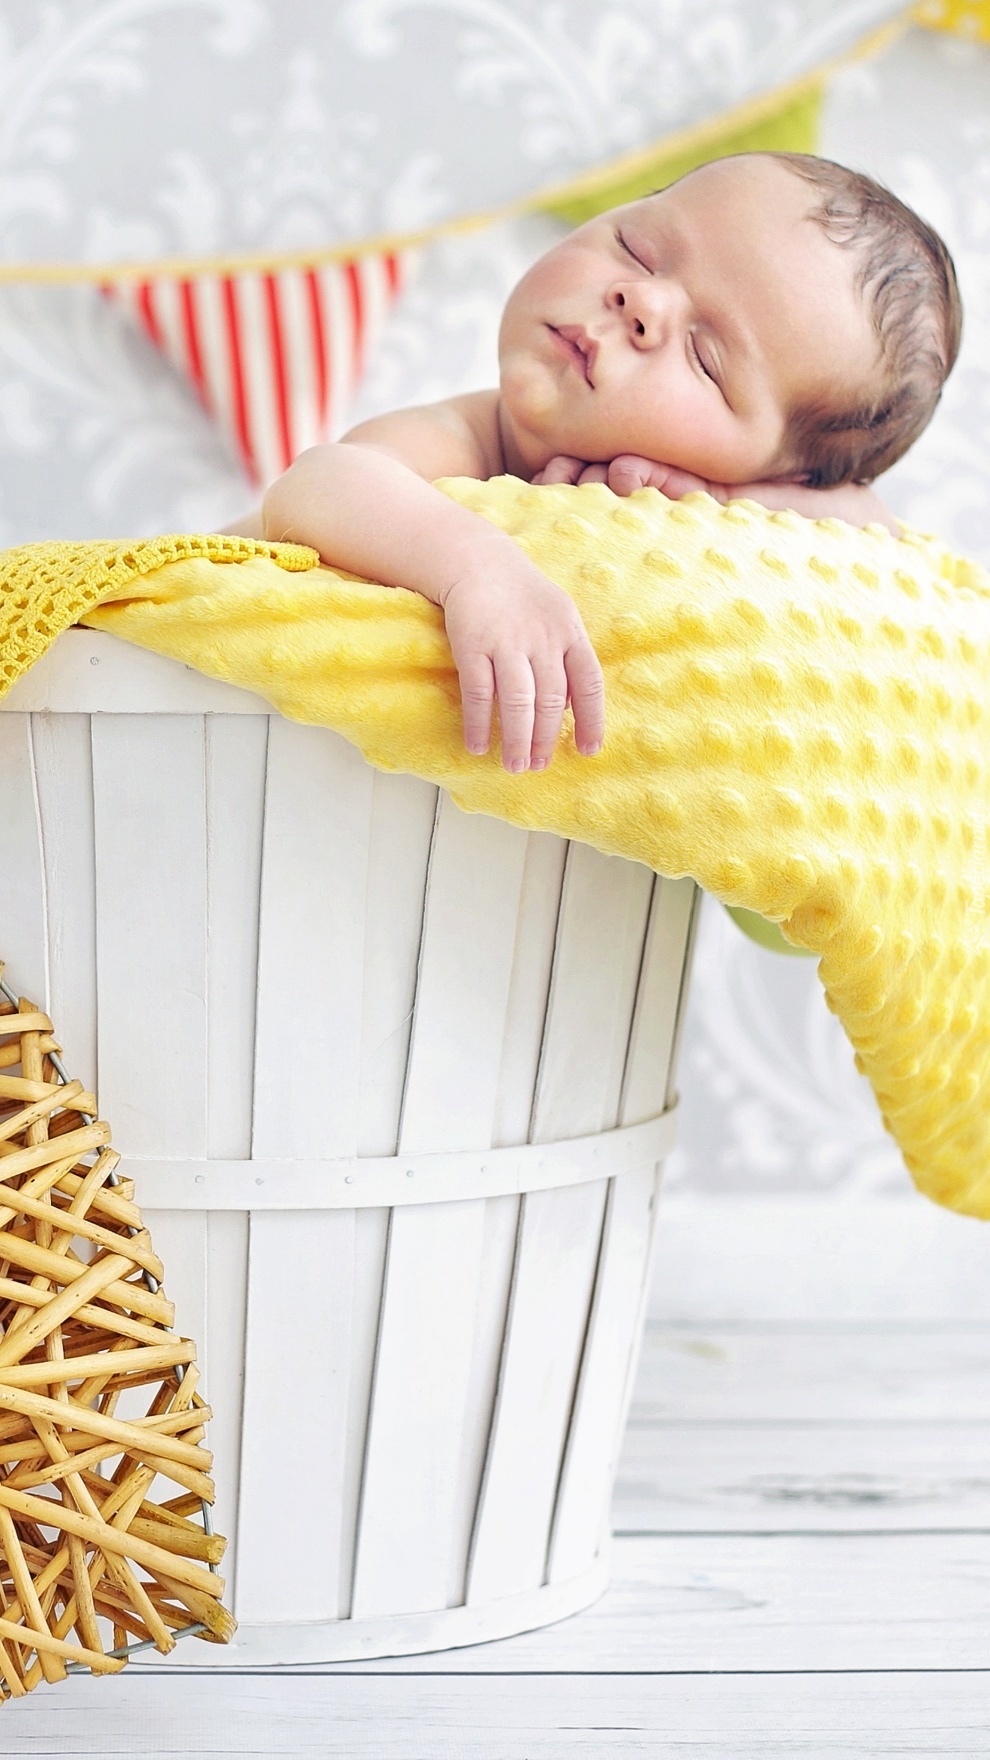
(797, 716)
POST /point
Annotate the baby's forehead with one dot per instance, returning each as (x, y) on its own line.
(758, 180)
(746, 234)
(751, 216)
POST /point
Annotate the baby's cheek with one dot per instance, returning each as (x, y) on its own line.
(528, 393)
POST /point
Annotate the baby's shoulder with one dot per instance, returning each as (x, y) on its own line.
(455, 437)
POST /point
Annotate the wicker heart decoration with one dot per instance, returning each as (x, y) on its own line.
(103, 1472)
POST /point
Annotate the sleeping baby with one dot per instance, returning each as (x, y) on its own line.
(772, 326)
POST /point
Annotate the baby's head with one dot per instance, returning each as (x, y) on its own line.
(907, 282)
(769, 315)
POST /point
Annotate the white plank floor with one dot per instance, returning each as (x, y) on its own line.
(801, 1567)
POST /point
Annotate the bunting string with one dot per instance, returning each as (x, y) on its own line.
(700, 141)
(274, 343)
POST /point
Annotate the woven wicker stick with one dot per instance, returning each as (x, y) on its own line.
(11, 1054)
(30, 1257)
(94, 1562)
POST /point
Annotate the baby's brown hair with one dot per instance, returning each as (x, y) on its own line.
(908, 280)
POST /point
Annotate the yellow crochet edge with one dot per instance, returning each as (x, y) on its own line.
(81, 576)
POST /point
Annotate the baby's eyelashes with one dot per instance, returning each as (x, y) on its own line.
(627, 247)
(705, 363)
(639, 247)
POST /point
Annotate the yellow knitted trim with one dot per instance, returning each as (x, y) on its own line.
(44, 588)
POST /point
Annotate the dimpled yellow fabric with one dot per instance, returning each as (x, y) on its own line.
(797, 716)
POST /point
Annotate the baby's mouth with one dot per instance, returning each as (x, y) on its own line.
(577, 345)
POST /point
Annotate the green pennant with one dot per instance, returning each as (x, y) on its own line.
(793, 128)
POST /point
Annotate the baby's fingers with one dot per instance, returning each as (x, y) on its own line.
(551, 701)
(477, 681)
(560, 469)
(677, 483)
(629, 472)
(516, 690)
(587, 693)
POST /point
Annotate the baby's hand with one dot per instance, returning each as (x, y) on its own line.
(624, 474)
(520, 639)
(856, 503)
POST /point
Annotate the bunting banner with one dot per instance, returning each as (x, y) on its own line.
(965, 18)
(275, 349)
(275, 358)
(275, 345)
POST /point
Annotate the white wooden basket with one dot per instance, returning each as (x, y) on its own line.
(395, 1083)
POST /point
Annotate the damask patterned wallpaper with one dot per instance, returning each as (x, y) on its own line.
(144, 127)
(139, 127)
(130, 128)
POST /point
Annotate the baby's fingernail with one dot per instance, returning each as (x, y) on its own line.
(476, 749)
(538, 764)
(515, 765)
(591, 751)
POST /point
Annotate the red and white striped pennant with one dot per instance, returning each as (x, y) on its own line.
(275, 358)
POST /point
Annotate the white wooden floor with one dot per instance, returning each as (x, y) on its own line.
(802, 1567)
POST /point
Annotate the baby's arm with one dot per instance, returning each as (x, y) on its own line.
(368, 506)
(856, 503)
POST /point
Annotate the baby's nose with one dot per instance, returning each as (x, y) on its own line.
(650, 308)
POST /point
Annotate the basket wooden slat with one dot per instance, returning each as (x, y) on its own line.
(476, 1001)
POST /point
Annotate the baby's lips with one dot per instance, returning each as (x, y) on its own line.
(586, 345)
